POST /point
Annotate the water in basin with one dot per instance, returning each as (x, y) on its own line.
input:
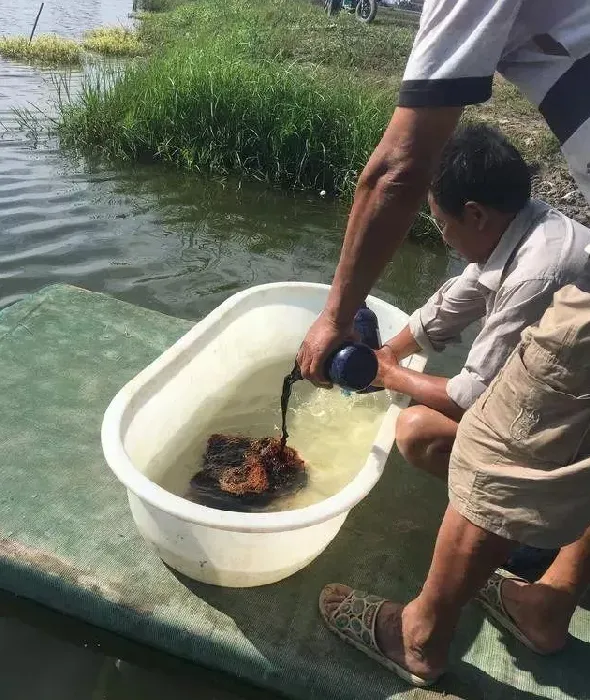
(332, 432)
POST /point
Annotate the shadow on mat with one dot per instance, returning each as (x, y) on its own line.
(508, 658)
(388, 555)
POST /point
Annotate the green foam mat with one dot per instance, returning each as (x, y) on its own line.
(67, 539)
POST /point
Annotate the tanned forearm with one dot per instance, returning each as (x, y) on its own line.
(388, 196)
(425, 389)
(403, 344)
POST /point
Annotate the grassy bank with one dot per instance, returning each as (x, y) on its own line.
(271, 90)
(50, 49)
(248, 89)
(284, 31)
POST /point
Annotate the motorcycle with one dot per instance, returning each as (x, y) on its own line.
(365, 10)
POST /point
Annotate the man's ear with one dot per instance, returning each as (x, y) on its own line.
(475, 215)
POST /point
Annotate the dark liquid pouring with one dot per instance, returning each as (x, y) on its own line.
(351, 367)
(288, 381)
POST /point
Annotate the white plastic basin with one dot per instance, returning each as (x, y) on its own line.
(152, 420)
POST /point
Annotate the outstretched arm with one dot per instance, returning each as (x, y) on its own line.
(388, 196)
(455, 55)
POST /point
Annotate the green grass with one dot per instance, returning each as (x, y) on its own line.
(113, 41)
(247, 88)
(46, 49)
(286, 125)
(160, 5)
(285, 30)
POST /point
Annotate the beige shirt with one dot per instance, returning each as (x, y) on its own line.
(541, 251)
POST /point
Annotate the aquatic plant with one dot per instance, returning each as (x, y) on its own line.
(113, 41)
(246, 474)
(47, 49)
(50, 49)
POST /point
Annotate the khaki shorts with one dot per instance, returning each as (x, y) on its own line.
(520, 466)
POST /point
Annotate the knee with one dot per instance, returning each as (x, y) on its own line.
(410, 431)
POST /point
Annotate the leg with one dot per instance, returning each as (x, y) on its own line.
(425, 439)
(418, 635)
(521, 464)
(543, 610)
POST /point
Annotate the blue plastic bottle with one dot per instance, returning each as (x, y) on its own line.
(354, 366)
(367, 326)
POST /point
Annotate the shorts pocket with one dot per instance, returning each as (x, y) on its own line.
(540, 425)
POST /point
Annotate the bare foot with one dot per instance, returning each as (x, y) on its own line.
(542, 613)
(397, 636)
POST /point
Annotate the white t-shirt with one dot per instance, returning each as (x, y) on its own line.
(542, 46)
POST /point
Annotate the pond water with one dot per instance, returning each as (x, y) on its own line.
(172, 242)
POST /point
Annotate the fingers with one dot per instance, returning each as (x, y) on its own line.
(311, 365)
(323, 338)
(317, 372)
(302, 362)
